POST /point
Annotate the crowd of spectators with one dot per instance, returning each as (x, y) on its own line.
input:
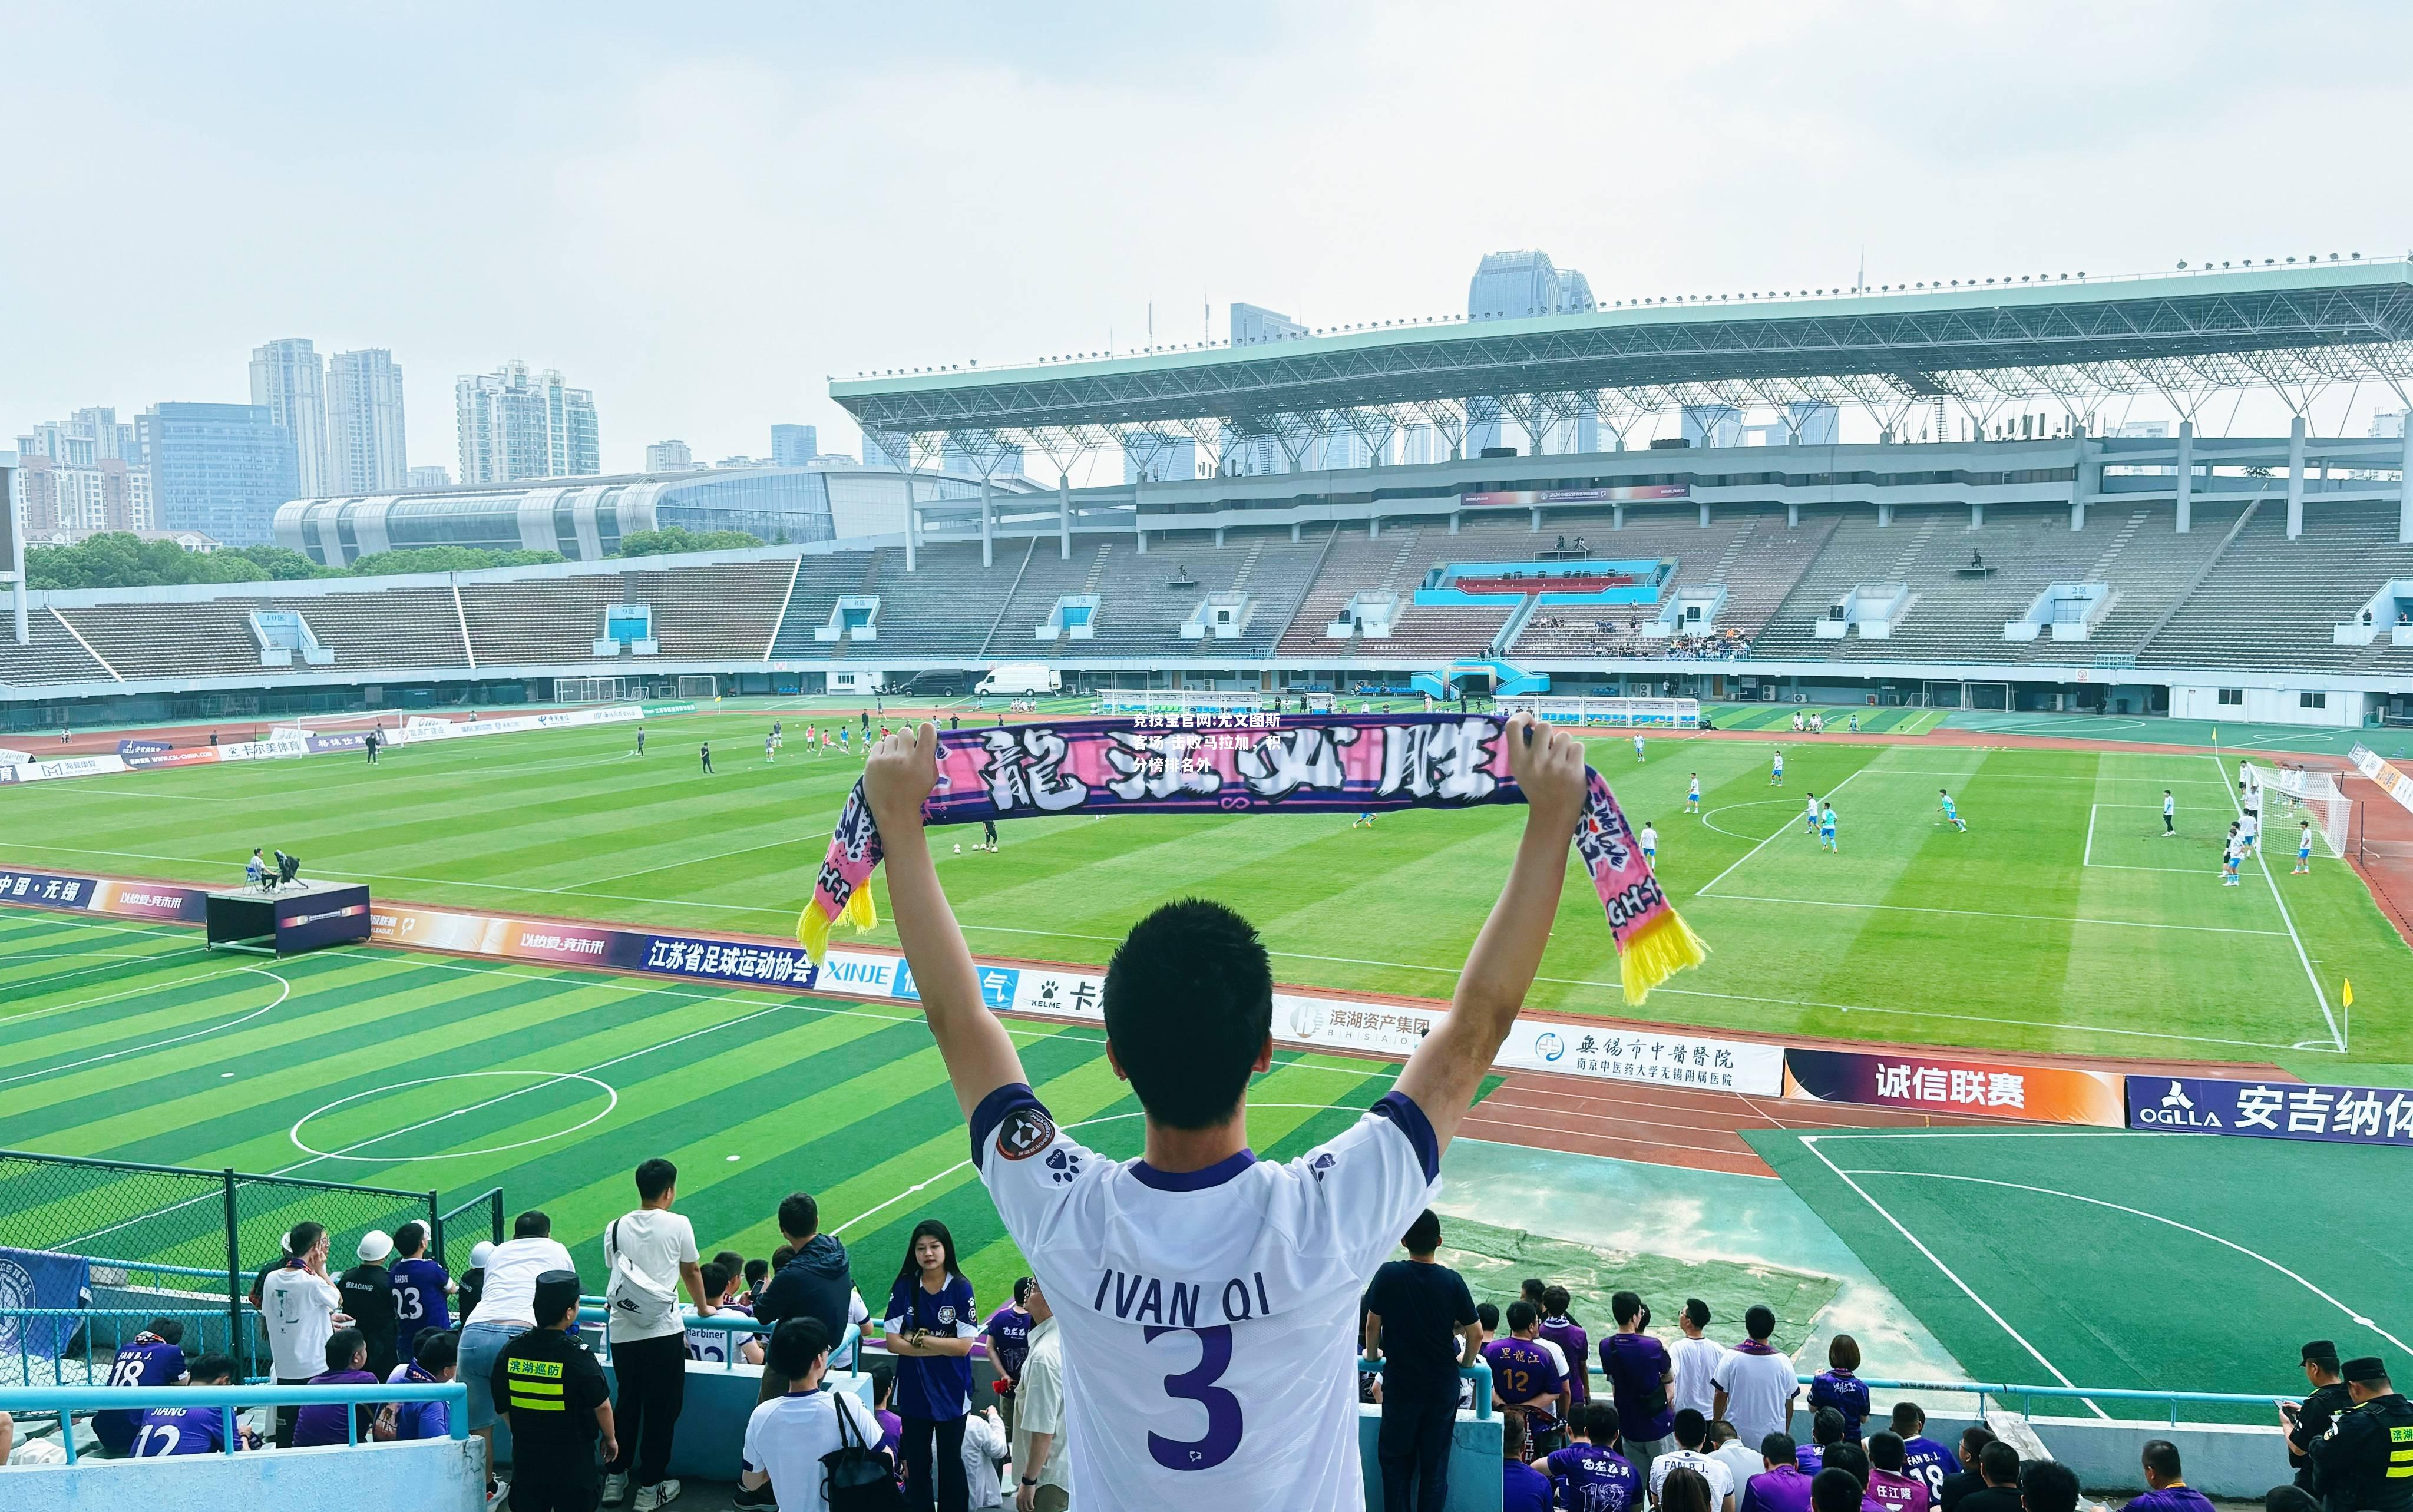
(1602, 637)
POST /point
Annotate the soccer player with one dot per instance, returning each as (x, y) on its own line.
(2231, 856)
(1650, 844)
(641, 740)
(2170, 815)
(1951, 812)
(988, 836)
(704, 750)
(1856, 723)
(1827, 829)
(1364, 820)
(2249, 830)
(770, 748)
(153, 1357)
(1197, 1269)
(779, 737)
(1810, 816)
(1776, 771)
(1693, 796)
(1637, 749)
(2304, 849)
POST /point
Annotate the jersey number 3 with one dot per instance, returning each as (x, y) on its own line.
(1222, 1437)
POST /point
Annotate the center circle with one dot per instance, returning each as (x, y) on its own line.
(536, 1078)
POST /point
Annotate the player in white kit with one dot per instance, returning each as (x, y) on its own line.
(1208, 1300)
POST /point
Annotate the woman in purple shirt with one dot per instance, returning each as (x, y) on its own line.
(1838, 1387)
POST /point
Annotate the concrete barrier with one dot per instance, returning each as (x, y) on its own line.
(426, 1475)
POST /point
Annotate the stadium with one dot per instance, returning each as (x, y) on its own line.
(1965, 1068)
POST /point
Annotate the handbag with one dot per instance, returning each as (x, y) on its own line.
(855, 1476)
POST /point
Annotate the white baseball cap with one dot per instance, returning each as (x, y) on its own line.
(375, 1246)
(480, 1253)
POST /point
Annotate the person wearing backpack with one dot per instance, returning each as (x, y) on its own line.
(813, 1448)
(650, 1252)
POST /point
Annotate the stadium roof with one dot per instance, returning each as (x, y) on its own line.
(2183, 334)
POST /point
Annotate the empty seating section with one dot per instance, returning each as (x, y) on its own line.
(2270, 602)
(721, 613)
(398, 627)
(941, 610)
(821, 581)
(209, 639)
(50, 656)
(2151, 572)
(1955, 618)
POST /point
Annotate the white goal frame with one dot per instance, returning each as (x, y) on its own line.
(2295, 790)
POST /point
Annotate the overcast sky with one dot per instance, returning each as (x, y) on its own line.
(702, 211)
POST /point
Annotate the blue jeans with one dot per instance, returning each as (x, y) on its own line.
(481, 1344)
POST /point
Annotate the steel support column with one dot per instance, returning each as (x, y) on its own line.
(1063, 517)
(2296, 477)
(988, 526)
(2186, 476)
(2404, 491)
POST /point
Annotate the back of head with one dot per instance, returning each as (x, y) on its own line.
(1721, 1434)
(1759, 1322)
(342, 1345)
(1849, 1457)
(1625, 1307)
(1521, 1316)
(1555, 1300)
(1844, 1352)
(781, 1256)
(166, 1330)
(557, 1298)
(1533, 1290)
(1778, 1448)
(1827, 1427)
(756, 1271)
(1602, 1416)
(797, 1344)
(2161, 1457)
(731, 1261)
(532, 1225)
(2047, 1486)
(1685, 1490)
(1513, 1437)
(716, 1279)
(883, 1385)
(1488, 1314)
(1887, 1452)
(1834, 1490)
(1974, 1440)
(214, 1369)
(410, 1239)
(1697, 1312)
(1424, 1235)
(1999, 1463)
(1189, 1003)
(1692, 1429)
(800, 1217)
(1909, 1419)
(439, 1350)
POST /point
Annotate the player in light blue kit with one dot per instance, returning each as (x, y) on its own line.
(1810, 816)
(1650, 844)
(1693, 796)
(1776, 771)
(2304, 849)
(1826, 830)
(1952, 814)
(1637, 749)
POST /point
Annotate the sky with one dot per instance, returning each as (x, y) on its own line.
(703, 213)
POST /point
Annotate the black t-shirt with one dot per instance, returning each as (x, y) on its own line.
(1991, 1499)
(550, 1385)
(1422, 1307)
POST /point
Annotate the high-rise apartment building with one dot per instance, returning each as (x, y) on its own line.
(84, 474)
(221, 469)
(288, 381)
(1254, 323)
(418, 477)
(517, 425)
(792, 446)
(669, 456)
(366, 450)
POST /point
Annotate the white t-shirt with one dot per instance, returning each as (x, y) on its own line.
(1740, 1463)
(986, 1452)
(652, 1245)
(1208, 1317)
(787, 1436)
(1695, 1362)
(1649, 837)
(300, 1310)
(1757, 1388)
(1721, 1479)
(512, 1271)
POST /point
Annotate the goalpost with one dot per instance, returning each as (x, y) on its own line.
(2315, 795)
(586, 689)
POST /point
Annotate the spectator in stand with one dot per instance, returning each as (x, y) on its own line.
(1851, 1458)
(1923, 1458)
(322, 1422)
(986, 1449)
(1522, 1487)
(1696, 1357)
(1039, 1443)
(1781, 1486)
(1836, 1387)
(472, 1283)
(757, 1273)
(1686, 1490)
(2047, 1486)
(1835, 1490)
(1825, 1431)
(1968, 1478)
(1589, 1474)
(420, 1288)
(1754, 1381)
(166, 1431)
(931, 1326)
(1007, 1332)
(2169, 1492)
(651, 1251)
(368, 1297)
(153, 1357)
(435, 1359)
(718, 1346)
(788, 1436)
(301, 1309)
(883, 1412)
(1639, 1374)
(2308, 1424)
(1420, 1321)
(1560, 1328)
(506, 1306)
(559, 1403)
(815, 1281)
(1692, 1453)
(1524, 1376)
(1891, 1484)
(1998, 1466)
(1728, 1449)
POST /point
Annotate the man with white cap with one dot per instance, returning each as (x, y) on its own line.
(368, 1297)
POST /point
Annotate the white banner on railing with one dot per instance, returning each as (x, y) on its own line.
(1610, 713)
(2391, 782)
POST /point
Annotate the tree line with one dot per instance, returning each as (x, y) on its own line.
(128, 561)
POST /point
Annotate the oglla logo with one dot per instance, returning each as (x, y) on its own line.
(2178, 1111)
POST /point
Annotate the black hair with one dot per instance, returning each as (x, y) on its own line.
(1826, 1426)
(716, 1279)
(1844, 1352)
(1722, 1432)
(166, 1330)
(1697, 1311)
(210, 1369)
(883, 1383)
(1886, 1452)
(532, 1225)
(2162, 1457)
(1488, 1314)
(1692, 1429)
(410, 1239)
(1603, 1418)
(1685, 1490)
(437, 1349)
(1847, 1456)
(799, 1215)
(1834, 1490)
(1022, 1286)
(2047, 1486)
(342, 1345)
(781, 1256)
(1624, 1307)
(1521, 1316)
(731, 1261)
(756, 1272)
(1424, 1235)
(1514, 1440)
(1758, 1321)
(1558, 1303)
(1533, 1290)
(1998, 1463)
(911, 1268)
(795, 1344)
(1910, 1416)
(1188, 1004)
(304, 1237)
(654, 1177)
(1779, 1448)
(1974, 1440)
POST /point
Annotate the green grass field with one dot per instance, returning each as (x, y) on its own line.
(2127, 1261)
(2060, 922)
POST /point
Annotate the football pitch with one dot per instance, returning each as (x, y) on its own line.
(2062, 920)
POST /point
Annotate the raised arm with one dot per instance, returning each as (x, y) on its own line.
(980, 1056)
(1441, 1075)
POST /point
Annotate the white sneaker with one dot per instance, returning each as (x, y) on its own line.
(615, 1488)
(495, 1497)
(660, 1493)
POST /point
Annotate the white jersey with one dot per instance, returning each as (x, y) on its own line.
(1208, 1317)
(2169, 805)
(1695, 792)
(1650, 839)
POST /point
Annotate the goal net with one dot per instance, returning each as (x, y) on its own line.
(586, 689)
(2292, 793)
(369, 720)
(698, 687)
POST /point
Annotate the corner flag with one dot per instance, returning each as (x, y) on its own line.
(2346, 999)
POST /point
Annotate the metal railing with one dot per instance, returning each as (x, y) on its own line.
(65, 1402)
(593, 1314)
(1479, 1373)
(96, 1333)
(479, 1217)
(2003, 1392)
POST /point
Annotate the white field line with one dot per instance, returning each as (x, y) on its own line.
(1703, 890)
(2263, 862)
